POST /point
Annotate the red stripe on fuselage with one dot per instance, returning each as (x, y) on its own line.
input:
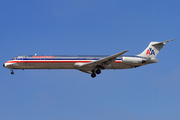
(12, 62)
(43, 61)
(117, 61)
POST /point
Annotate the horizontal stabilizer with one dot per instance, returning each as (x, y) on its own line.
(164, 42)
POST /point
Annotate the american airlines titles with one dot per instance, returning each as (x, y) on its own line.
(43, 56)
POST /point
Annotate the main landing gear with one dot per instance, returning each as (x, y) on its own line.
(93, 75)
(98, 71)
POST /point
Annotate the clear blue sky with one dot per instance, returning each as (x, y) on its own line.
(90, 27)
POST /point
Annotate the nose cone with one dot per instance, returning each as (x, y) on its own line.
(3, 65)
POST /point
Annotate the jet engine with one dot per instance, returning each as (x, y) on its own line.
(133, 61)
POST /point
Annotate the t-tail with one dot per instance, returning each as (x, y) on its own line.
(153, 49)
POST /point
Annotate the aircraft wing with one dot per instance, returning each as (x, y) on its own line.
(102, 63)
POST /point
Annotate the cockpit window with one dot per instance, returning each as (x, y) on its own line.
(14, 58)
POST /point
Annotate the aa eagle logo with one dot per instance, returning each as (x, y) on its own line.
(150, 51)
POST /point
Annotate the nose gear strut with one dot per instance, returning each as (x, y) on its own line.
(12, 72)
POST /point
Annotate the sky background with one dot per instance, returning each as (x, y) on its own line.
(90, 27)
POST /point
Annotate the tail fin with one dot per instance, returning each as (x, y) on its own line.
(153, 49)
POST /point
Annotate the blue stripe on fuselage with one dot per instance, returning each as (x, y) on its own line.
(69, 57)
(58, 59)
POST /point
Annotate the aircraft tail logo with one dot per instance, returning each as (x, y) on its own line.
(150, 51)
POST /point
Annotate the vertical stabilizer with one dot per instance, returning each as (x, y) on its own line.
(153, 49)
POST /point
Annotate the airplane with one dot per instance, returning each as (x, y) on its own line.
(92, 64)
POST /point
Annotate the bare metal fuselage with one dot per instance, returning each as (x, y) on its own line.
(58, 62)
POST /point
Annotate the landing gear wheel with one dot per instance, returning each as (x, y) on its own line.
(98, 71)
(12, 72)
(93, 75)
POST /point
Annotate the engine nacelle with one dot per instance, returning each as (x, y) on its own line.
(133, 61)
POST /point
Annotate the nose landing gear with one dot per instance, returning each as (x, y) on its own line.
(12, 72)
